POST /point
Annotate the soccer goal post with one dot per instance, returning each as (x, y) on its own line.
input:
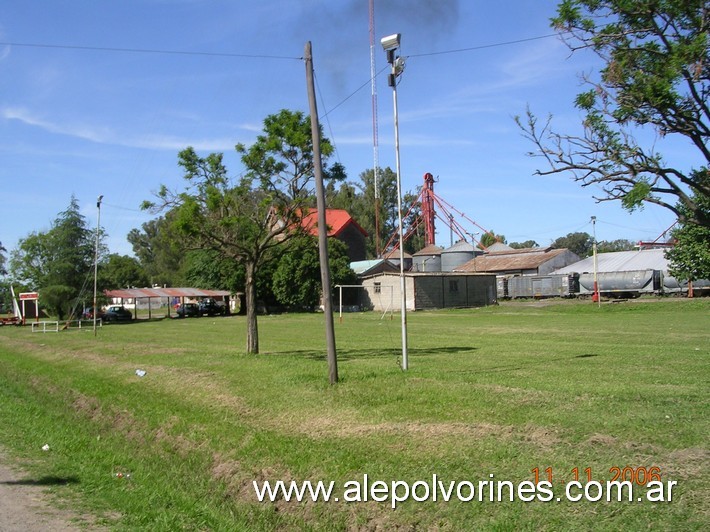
(340, 287)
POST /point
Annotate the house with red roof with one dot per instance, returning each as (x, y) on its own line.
(341, 226)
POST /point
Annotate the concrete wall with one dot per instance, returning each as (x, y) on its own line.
(432, 291)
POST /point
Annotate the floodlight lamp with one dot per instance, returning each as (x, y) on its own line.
(398, 66)
(391, 42)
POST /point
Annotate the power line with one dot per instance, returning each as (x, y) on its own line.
(353, 93)
(484, 46)
(147, 51)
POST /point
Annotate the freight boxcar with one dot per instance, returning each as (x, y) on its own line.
(540, 286)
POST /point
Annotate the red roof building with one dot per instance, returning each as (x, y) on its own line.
(341, 226)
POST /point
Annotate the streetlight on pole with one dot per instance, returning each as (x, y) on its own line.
(96, 255)
(595, 296)
(473, 243)
(390, 45)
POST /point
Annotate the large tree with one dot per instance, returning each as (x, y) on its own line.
(656, 77)
(5, 298)
(297, 278)
(121, 271)
(620, 244)
(489, 238)
(524, 245)
(690, 257)
(3, 271)
(244, 221)
(160, 250)
(58, 263)
(578, 243)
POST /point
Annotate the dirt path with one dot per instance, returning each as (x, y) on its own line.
(24, 505)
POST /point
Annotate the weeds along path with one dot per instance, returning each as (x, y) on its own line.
(25, 506)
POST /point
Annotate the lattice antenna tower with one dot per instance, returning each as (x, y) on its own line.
(375, 140)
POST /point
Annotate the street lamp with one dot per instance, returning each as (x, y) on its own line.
(390, 45)
(473, 243)
(96, 255)
(595, 296)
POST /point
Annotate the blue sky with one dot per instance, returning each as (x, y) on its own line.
(81, 114)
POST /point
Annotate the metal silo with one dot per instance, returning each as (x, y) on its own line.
(427, 259)
(460, 253)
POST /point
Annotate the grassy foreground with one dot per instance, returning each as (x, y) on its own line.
(496, 391)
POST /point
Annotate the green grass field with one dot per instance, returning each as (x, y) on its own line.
(497, 391)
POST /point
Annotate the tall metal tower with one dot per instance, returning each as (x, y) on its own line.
(428, 212)
(375, 141)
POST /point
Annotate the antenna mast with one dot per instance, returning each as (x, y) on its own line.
(375, 141)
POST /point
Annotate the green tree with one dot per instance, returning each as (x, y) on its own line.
(121, 271)
(620, 244)
(205, 268)
(297, 281)
(578, 243)
(5, 296)
(3, 271)
(489, 238)
(59, 262)
(246, 221)
(690, 257)
(160, 250)
(524, 245)
(656, 76)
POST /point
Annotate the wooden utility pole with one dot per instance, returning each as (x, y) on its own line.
(322, 228)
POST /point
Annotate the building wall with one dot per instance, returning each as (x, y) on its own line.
(428, 292)
(382, 292)
(355, 241)
(560, 261)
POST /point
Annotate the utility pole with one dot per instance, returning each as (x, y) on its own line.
(96, 255)
(595, 296)
(322, 227)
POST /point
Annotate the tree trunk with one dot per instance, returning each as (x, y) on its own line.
(252, 327)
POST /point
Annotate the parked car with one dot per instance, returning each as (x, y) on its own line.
(188, 310)
(209, 307)
(88, 314)
(117, 313)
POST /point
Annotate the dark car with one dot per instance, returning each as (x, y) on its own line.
(188, 310)
(117, 313)
(210, 307)
(88, 314)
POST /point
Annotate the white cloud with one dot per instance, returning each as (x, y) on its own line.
(105, 135)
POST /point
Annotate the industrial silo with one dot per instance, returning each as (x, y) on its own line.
(427, 259)
(460, 253)
(393, 257)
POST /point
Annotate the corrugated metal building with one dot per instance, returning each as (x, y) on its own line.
(620, 261)
(529, 261)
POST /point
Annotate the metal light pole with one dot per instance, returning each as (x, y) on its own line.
(96, 255)
(473, 243)
(391, 44)
(595, 296)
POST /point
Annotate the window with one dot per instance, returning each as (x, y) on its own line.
(378, 288)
